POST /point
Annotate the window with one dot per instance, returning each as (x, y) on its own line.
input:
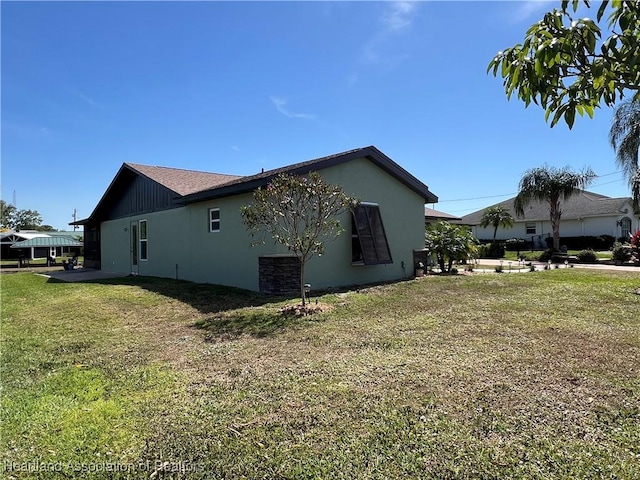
(214, 219)
(530, 228)
(143, 239)
(368, 240)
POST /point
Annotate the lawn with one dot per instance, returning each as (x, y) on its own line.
(533, 375)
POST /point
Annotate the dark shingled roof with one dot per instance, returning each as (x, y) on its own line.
(431, 213)
(193, 186)
(581, 205)
(181, 181)
(250, 183)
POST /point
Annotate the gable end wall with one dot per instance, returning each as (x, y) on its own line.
(141, 195)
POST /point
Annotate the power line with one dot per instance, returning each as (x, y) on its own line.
(477, 198)
(515, 193)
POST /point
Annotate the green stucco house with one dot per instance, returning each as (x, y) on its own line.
(175, 223)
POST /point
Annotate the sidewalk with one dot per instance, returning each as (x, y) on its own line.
(541, 265)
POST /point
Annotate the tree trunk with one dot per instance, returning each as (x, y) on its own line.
(555, 213)
(495, 232)
(302, 293)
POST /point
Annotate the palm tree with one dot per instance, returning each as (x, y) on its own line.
(624, 137)
(549, 184)
(497, 215)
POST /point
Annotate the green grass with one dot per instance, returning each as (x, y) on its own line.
(534, 375)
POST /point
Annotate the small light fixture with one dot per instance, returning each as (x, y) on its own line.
(307, 290)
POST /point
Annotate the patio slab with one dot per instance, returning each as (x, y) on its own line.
(80, 275)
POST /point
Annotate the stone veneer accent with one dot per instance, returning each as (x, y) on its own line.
(279, 274)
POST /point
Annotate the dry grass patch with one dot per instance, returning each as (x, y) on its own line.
(514, 376)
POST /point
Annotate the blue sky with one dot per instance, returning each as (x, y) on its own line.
(234, 87)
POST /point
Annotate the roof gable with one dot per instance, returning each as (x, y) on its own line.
(138, 189)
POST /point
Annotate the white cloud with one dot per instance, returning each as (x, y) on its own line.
(531, 8)
(398, 15)
(281, 105)
(396, 18)
(86, 99)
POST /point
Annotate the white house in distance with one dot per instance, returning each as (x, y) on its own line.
(583, 214)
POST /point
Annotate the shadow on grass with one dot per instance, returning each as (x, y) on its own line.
(204, 297)
(254, 323)
(228, 312)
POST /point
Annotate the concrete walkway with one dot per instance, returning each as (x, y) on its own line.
(79, 275)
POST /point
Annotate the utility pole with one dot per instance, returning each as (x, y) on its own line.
(75, 217)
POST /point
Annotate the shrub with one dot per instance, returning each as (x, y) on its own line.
(483, 250)
(585, 242)
(491, 250)
(517, 244)
(621, 252)
(498, 268)
(546, 255)
(587, 256)
(635, 246)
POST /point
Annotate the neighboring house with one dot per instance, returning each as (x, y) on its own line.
(7, 239)
(42, 245)
(433, 216)
(583, 214)
(175, 223)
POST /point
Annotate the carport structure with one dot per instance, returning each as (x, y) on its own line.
(50, 246)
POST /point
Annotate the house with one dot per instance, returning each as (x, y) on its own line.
(583, 214)
(433, 216)
(184, 224)
(40, 244)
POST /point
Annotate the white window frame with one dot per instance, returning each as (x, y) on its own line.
(528, 227)
(143, 252)
(214, 223)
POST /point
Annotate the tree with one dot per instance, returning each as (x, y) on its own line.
(26, 220)
(496, 216)
(549, 184)
(449, 242)
(7, 212)
(299, 213)
(11, 217)
(565, 66)
(624, 137)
